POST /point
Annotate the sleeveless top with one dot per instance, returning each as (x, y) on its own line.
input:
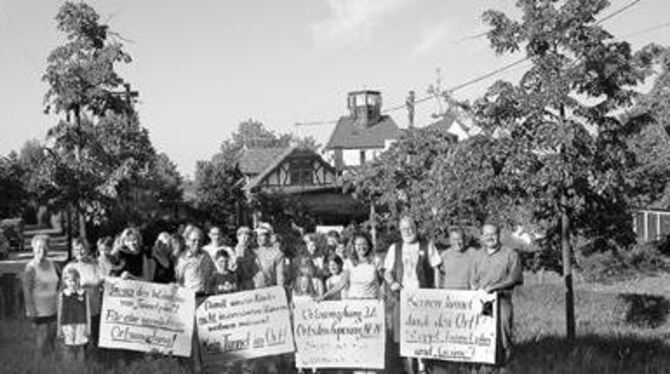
(73, 308)
(44, 284)
(363, 281)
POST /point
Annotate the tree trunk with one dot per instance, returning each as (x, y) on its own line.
(567, 270)
(77, 155)
(373, 225)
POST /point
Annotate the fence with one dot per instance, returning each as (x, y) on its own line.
(651, 224)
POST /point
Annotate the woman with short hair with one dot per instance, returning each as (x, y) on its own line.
(40, 287)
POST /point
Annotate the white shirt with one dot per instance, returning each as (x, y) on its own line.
(410, 258)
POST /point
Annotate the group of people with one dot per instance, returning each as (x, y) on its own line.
(67, 303)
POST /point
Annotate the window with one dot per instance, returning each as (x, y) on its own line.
(301, 172)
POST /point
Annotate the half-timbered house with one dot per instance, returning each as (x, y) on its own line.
(305, 176)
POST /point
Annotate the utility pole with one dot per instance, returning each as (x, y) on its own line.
(410, 108)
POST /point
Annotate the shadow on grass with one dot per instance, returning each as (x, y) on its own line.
(592, 354)
(647, 311)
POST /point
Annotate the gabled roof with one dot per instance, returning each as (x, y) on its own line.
(271, 166)
(452, 123)
(350, 134)
(252, 161)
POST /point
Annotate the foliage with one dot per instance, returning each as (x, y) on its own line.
(402, 180)
(101, 160)
(80, 73)
(566, 148)
(651, 145)
(13, 195)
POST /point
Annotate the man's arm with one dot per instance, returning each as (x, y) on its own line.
(279, 268)
(514, 275)
(389, 264)
(435, 262)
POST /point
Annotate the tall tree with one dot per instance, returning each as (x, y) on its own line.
(558, 137)
(82, 78)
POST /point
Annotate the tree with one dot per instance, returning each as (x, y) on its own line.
(559, 140)
(651, 145)
(82, 79)
(13, 195)
(402, 181)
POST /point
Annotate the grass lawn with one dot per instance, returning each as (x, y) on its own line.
(622, 327)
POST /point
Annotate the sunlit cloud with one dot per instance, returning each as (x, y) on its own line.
(352, 23)
(430, 38)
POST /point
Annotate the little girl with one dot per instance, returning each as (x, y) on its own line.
(335, 268)
(306, 284)
(74, 316)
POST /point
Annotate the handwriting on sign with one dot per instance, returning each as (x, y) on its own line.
(244, 325)
(447, 325)
(147, 317)
(340, 334)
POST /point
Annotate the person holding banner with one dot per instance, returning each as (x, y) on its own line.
(455, 275)
(498, 269)
(360, 279)
(243, 261)
(410, 263)
(128, 248)
(193, 271)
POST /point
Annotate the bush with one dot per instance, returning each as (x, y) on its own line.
(600, 266)
(646, 257)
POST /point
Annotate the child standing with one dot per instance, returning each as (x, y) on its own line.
(107, 262)
(307, 285)
(74, 316)
(223, 280)
(336, 276)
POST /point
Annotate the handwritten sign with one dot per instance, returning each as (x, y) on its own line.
(448, 325)
(145, 317)
(244, 325)
(340, 334)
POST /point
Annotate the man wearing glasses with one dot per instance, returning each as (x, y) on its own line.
(497, 268)
(411, 264)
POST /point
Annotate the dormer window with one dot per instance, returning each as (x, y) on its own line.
(301, 172)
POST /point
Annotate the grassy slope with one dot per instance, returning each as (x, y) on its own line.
(621, 329)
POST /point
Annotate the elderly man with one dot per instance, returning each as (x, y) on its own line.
(411, 264)
(497, 268)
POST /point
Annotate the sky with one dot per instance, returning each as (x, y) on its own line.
(202, 67)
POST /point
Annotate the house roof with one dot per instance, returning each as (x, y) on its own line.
(351, 134)
(271, 166)
(252, 161)
(452, 123)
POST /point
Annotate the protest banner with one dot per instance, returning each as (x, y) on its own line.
(450, 325)
(339, 334)
(146, 317)
(244, 325)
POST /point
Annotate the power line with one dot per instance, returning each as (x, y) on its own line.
(646, 30)
(487, 75)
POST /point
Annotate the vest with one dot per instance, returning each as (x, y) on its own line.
(424, 272)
